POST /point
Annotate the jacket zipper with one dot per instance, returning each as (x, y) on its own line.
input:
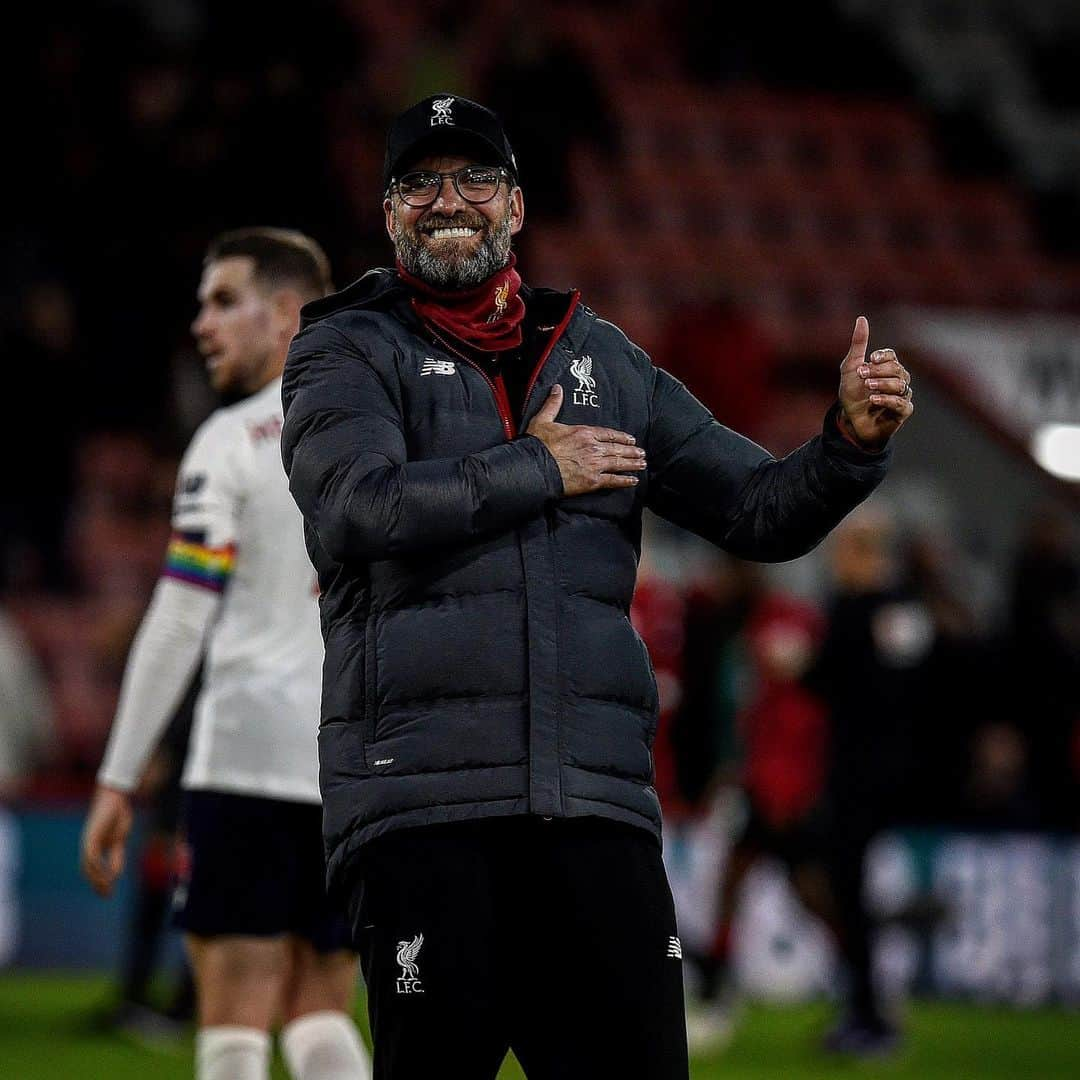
(501, 402)
(498, 387)
(557, 333)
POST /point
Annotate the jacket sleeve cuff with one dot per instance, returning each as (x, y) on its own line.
(552, 476)
(838, 444)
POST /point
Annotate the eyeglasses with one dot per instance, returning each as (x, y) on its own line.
(475, 184)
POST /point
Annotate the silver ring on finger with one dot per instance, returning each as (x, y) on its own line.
(907, 389)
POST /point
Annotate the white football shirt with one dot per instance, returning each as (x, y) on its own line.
(257, 718)
(237, 540)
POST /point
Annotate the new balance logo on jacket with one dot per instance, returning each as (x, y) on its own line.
(431, 366)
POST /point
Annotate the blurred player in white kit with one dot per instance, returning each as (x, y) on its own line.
(265, 945)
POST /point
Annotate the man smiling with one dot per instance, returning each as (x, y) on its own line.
(436, 248)
(472, 458)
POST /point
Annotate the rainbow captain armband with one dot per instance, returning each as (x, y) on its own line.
(190, 560)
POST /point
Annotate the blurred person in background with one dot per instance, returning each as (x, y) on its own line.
(704, 738)
(658, 616)
(26, 743)
(26, 731)
(1044, 648)
(783, 738)
(870, 673)
(997, 791)
(472, 457)
(265, 944)
(973, 759)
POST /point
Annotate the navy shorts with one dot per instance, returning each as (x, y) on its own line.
(254, 867)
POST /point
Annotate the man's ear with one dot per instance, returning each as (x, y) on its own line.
(286, 304)
(517, 211)
(388, 210)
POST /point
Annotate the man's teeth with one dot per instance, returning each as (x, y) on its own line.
(452, 234)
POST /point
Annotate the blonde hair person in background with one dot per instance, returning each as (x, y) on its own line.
(265, 944)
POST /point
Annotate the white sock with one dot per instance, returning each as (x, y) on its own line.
(324, 1046)
(232, 1053)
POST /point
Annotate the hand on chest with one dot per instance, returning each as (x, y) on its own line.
(456, 404)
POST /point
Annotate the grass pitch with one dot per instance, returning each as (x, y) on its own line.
(47, 1033)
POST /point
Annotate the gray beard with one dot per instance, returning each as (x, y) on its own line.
(453, 271)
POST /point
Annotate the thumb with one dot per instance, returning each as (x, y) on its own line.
(860, 338)
(550, 409)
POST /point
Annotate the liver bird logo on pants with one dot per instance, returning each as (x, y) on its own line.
(407, 952)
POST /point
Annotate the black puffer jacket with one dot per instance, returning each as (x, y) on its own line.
(479, 656)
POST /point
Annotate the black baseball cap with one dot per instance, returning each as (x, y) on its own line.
(446, 120)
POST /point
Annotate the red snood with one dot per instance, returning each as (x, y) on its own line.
(486, 317)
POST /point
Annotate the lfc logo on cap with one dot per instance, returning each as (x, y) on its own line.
(441, 111)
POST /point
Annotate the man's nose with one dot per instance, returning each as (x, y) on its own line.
(448, 200)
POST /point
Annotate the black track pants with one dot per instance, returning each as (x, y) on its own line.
(554, 938)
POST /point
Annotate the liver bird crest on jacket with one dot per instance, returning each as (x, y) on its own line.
(581, 369)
